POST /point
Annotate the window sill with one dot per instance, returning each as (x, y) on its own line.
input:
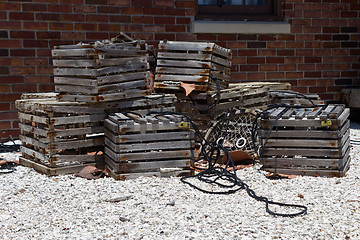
(241, 27)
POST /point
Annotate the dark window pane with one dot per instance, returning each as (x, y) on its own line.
(207, 2)
(255, 2)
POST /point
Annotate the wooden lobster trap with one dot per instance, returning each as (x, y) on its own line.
(60, 137)
(148, 146)
(306, 141)
(101, 71)
(203, 64)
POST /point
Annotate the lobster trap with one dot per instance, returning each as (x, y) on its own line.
(59, 137)
(310, 141)
(148, 146)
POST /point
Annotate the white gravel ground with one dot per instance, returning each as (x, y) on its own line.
(34, 206)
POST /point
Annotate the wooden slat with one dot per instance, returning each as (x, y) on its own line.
(185, 56)
(74, 63)
(75, 81)
(183, 71)
(181, 78)
(131, 67)
(81, 52)
(145, 156)
(75, 72)
(133, 138)
(165, 146)
(123, 77)
(76, 89)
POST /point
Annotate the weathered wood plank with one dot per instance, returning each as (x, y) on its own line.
(183, 71)
(76, 81)
(76, 89)
(123, 77)
(146, 156)
(80, 52)
(75, 72)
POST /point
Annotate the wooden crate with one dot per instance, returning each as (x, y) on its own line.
(192, 63)
(60, 137)
(150, 146)
(294, 98)
(306, 141)
(101, 71)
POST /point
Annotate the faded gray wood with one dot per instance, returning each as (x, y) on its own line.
(123, 77)
(76, 81)
(185, 71)
(75, 72)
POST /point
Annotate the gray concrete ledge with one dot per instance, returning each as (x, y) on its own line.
(241, 27)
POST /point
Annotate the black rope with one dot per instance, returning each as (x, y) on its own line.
(9, 148)
(7, 167)
(218, 175)
(294, 93)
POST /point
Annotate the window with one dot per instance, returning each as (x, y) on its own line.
(251, 10)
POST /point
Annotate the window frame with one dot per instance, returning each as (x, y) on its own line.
(271, 12)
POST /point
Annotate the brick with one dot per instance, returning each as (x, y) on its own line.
(108, 9)
(287, 67)
(331, 29)
(120, 2)
(241, 37)
(167, 36)
(307, 82)
(341, 37)
(295, 45)
(24, 88)
(185, 37)
(10, 6)
(96, 35)
(349, 74)
(11, 79)
(320, 22)
(330, 14)
(306, 67)
(286, 37)
(48, 35)
(108, 28)
(237, 76)
(85, 27)
(211, 37)
(312, 14)
(331, 74)
(175, 12)
(322, 67)
(249, 68)
(60, 8)
(256, 44)
(275, 75)
(28, 7)
(247, 52)
(143, 19)
(72, 1)
(256, 60)
(21, 16)
(349, 44)
(174, 28)
(132, 10)
(4, 70)
(238, 60)
(185, 4)
(312, 74)
(35, 25)
(312, 29)
(275, 60)
(349, 29)
(6, 133)
(293, 60)
(312, 60)
(22, 70)
(10, 62)
(186, 20)
(233, 45)
(35, 61)
(323, 37)
(317, 89)
(301, 22)
(9, 115)
(304, 52)
(48, 16)
(46, 88)
(268, 68)
(9, 98)
(266, 52)
(164, 20)
(256, 76)
(339, 22)
(22, 52)
(340, 52)
(120, 18)
(72, 17)
(154, 28)
(54, 43)
(285, 52)
(331, 44)
(325, 82)
(22, 34)
(154, 11)
(288, 6)
(36, 43)
(4, 52)
(4, 34)
(44, 70)
(3, 124)
(84, 9)
(296, 30)
(144, 36)
(322, 52)
(97, 18)
(92, 2)
(10, 43)
(10, 25)
(349, 14)
(61, 26)
(164, 3)
(345, 81)
(133, 28)
(15, 124)
(276, 44)
(342, 67)
(338, 7)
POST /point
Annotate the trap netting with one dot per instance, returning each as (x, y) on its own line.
(235, 131)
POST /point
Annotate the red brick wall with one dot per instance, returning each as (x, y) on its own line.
(321, 55)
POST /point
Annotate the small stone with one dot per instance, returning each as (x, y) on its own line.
(171, 203)
(124, 219)
(119, 199)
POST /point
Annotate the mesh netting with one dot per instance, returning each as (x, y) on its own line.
(237, 135)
